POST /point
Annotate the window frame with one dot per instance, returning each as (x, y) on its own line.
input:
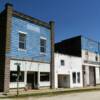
(62, 62)
(15, 72)
(22, 33)
(78, 77)
(74, 80)
(43, 46)
(43, 78)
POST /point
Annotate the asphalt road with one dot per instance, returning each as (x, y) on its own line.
(74, 96)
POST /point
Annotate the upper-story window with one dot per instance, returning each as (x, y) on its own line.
(62, 63)
(22, 40)
(42, 45)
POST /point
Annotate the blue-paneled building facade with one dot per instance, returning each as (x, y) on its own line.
(28, 43)
(89, 51)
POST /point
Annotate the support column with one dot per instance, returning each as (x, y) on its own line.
(8, 27)
(38, 80)
(7, 75)
(25, 79)
(87, 76)
(2, 66)
(52, 69)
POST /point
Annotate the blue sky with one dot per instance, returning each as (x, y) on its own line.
(72, 17)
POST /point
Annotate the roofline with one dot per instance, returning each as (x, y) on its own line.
(90, 39)
(27, 17)
(79, 36)
(68, 39)
(31, 19)
(66, 55)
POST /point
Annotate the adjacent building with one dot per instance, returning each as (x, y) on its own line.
(29, 42)
(89, 52)
(68, 71)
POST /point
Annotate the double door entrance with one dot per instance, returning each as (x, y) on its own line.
(32, 80)
(89, 76)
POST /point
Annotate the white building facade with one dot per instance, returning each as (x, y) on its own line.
(68, 71)
(88, 51)
(91, 68)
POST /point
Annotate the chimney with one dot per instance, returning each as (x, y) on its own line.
(8, 5)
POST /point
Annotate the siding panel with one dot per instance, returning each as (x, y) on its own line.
(33, 34)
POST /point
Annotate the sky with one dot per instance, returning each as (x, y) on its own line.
(71, 17)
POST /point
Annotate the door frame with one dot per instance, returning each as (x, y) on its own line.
(35, 79)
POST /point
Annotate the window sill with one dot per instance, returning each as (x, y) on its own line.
(22, 50)
(44, 81)
(16, 82)
(41, 53)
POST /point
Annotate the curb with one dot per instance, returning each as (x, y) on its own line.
(52, 93)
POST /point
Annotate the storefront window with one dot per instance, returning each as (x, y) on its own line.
(13, 76)
(44, 76)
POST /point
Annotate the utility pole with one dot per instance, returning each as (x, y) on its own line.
(18, 75)
(99, 55)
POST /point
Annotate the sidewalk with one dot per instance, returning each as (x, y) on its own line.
(44, 92)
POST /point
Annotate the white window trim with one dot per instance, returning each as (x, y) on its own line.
(61, 63)
(22, 32)
(77, 77)
(19, 49)
(43, 38)
(42, 53)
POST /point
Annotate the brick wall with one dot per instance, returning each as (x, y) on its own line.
(5, 30)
